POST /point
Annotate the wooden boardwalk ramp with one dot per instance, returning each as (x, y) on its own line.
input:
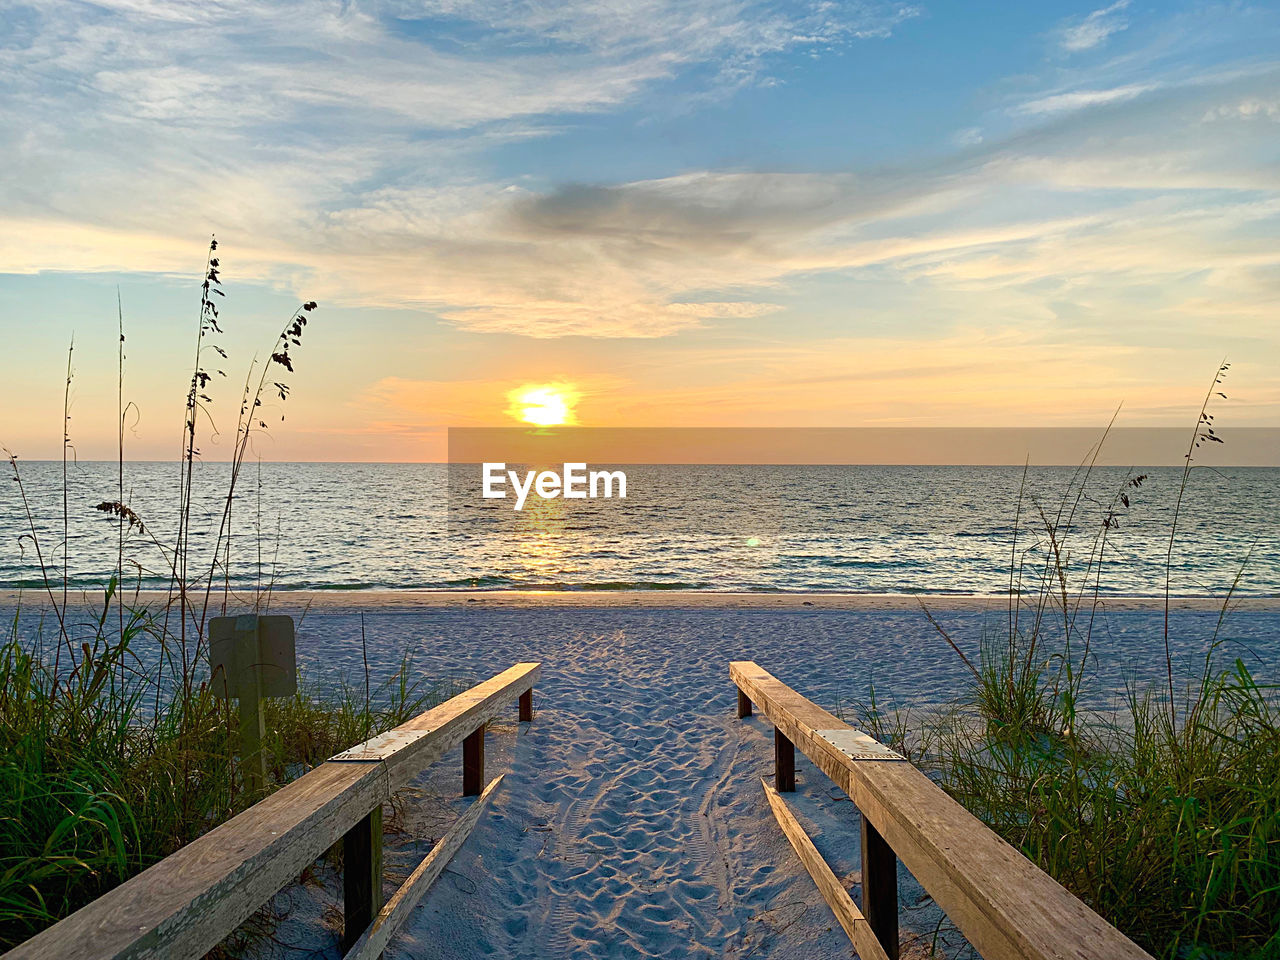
(848, 915)
(1004, 904)
(186, 904)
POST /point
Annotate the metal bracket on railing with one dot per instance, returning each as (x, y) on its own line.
(856, 745)
(380, 747)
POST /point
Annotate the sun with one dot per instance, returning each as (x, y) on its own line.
(544, 404)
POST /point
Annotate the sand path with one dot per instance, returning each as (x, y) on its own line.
(632, 865)
(631, 822)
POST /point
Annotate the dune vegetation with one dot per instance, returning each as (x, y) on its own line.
(114, 749)
(1162, 811)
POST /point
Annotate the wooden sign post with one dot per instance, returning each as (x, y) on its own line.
(251, 658)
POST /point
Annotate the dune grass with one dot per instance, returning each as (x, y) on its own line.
(114, 750)
(1172, 834)
(95, 786)
(1161, 811)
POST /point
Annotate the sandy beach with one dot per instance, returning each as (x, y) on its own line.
(355, 600)
(631, 822)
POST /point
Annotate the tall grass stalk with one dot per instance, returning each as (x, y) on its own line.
(1162, 811)
(115, 751)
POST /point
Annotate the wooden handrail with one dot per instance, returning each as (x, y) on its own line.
(1006, 906)
(370, 943)
(850, 918)
(187, 903)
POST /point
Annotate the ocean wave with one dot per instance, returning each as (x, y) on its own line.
(865, 530)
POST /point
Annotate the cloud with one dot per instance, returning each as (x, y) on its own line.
(336, 144)
(1079, 99)
(735, 310)
(1251, 108)
(341, 152)
(400, 64)
(1039, 210)
(592, 316)
(1094, 29)
(601, 316)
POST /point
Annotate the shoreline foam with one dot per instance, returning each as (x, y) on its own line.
(649, 599)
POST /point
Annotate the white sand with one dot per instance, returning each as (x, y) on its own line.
(661, 599)
(631, 822)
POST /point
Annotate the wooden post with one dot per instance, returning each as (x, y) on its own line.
(361, 876)
(252, 658)
(784, 763)
(744, 705)
(473, 763)
(847, 913)
(880, 887)
(253, 763)
(526, 706)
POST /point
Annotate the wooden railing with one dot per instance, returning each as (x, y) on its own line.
(1006, 906)
(187, 903)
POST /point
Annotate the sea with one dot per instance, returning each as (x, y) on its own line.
(859, 529)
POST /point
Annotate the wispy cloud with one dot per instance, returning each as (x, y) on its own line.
(342, 150)
(351, 138)
(1079, 99)
(1250, 108)
(1095, 28)
(1037, 210)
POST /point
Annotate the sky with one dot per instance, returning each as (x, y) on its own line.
(687, 213)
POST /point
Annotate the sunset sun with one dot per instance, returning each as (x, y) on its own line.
(544, 404)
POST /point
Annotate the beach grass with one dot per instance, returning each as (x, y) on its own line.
(114, 749)
(1160, 811)
(96, 783)
(1171, 831)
